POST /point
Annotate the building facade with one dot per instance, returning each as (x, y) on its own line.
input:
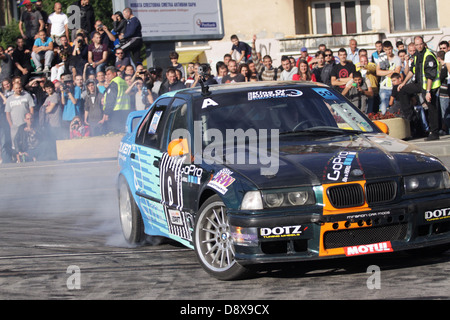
(283, 27)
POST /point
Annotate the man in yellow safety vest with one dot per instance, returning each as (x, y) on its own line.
(116, 102)
(425, 69)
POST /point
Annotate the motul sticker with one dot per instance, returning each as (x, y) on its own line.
(369, 249)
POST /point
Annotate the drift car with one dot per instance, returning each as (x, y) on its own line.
(275, 172)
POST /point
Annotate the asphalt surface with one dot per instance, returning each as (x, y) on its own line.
(61, 239)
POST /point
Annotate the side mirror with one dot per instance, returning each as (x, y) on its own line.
(178, 147)
(382, 126)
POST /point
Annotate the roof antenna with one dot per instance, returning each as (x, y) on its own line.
(205, 87)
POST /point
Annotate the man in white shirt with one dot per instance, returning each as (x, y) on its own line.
(58, 24)
(288, 69)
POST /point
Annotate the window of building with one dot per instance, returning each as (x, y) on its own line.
(341, 17)
(413, 15)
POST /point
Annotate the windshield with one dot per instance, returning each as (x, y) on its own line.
(291, 111)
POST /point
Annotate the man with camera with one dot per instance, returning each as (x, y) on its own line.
(79, 55)
(71, 100)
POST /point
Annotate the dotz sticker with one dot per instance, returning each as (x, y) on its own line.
(281, 232)
(437, 214)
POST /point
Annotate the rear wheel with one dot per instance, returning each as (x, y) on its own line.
(130, 216)
(213, 243)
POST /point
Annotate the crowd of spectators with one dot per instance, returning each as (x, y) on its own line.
(61, 83)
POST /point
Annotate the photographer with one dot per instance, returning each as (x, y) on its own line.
(79, 55)
(203, 73)
(71, 100)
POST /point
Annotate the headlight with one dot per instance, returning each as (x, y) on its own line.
(252, 201)
(427, 182)
(286, 198)
(256, 200)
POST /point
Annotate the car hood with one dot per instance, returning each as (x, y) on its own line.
(336, 159)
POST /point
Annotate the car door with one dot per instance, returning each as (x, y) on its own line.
(176, 172)
(145, 162)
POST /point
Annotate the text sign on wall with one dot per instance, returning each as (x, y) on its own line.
(179, 20)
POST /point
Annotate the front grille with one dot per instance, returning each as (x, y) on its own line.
(363, 236)
(345, 196)
(379, 192)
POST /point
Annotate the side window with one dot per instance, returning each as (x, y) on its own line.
(151, 130)
(178, 122)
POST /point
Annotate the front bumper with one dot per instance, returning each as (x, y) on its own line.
(292, 236)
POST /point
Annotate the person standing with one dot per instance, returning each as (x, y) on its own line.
(353, 51)
(58, 24)
(171, 83)
(87, 18)
(234, 75)
(71, 101)
(342, 72)
(17, 106)
(388, 64)
(116, 104)
(22, 57)
(425, 69)
(6, 65)
(288, 69)
(33, 22)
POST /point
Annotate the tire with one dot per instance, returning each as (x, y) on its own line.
(130, 216)
(213, 244)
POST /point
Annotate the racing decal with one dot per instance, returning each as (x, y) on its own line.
(208, 102)
(339, 167)
(125, 148)
(367, 215)
(154, 123)
(281, 232)
(193, 174)
(178, 224)
(437, 214)
(368, 249)
(221, 181)
(325, 93)
(171, 177)
(155, 216)
(274, 94)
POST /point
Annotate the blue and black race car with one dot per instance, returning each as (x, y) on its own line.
(276, 172)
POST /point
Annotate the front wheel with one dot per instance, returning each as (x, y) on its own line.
(213, 243)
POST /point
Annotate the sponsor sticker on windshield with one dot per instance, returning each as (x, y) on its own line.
(325, 93)
(274, 94)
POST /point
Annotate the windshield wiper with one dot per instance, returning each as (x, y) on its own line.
(323, 130)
